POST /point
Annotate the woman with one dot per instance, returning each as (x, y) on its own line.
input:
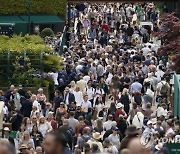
(60, 112)
(27, 124)
(148, 111)
(72, 86)
(27, 140)
(44, 127)
(41, 98)
(114, 138)
(120, 111)
(78, 96)
(20, 133)
(99, 104)
(112, 109)
(36, 136)
(125, 100)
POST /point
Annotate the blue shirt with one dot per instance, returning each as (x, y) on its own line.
(136, 86)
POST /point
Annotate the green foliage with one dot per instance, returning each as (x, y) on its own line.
(19, 44)
(11, 7)
(23, 58)
(47, 32)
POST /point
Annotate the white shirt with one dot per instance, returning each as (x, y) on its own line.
(90, 92)
(159, 74)
(86, 78)
(108, 124)
(86, 105)
(169, 131)
(78, 97)
(35, 103)
(145, 50)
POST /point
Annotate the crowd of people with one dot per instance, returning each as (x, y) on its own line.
(114, 95)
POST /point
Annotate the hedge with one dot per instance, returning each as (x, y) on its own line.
(17, 7)
(26, 60)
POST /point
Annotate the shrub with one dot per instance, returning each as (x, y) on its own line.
(11, 7)
(47, 32)
(24, 59)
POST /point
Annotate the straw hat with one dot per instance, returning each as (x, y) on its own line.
(23, 146)
(119, 105)
(6, 129)
(96, 135)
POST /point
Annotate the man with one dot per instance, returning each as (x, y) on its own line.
(108, 124)
(6, 148)
(55, 143)
(26, 107)
(9, 93)
(57, 100)
(39, 150)
(67, 132)
(163, 89)
(125, 82)
(16, 120)
(136, 86)
(89, 90)
(6, 132)
(72, 121)
(68, 96)
(146, 50)
(86, 104)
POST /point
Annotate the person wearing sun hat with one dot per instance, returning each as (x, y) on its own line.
(6, 135)
(120, 110)
(95, 140)
(23, 148)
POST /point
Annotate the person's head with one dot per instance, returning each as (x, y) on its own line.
(72, 114)
(89, 84)
(148, 105)
(22, 128)
(81, 119)
(6, 147)
(50, 115)
(77, 88)
(42, 120)
(34, 119)
(95, 148)
(33, 97)
(114, 130)
(99, 123)
(150, 124)
(35, 128)
(39, 150)
(62, 105)
(85, 97)
(73, 84)
(26, 136)
(57, 93)
(135, 147)
(54, 143)
(110, 117)
(125, 91)
(40, 91)
(6, 131)
(12, 87)
(134, 105)
(66, 90)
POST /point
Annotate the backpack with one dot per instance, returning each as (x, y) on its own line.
(164, 89)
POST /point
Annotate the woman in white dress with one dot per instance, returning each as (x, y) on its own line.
(78, 96)
(44, 127)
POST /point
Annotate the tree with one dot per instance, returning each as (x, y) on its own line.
(169, 34)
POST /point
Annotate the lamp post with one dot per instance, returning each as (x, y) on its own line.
(29, 15)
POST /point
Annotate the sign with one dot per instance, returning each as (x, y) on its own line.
(174, 148)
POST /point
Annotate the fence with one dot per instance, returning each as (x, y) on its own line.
(21, 68)
(176, 103)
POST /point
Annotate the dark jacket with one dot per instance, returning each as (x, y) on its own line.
(16, 121)
(57, 101)
(26, 108)
(71, 98)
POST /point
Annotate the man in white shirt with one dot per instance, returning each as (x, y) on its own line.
(89, 90)
(86, 104)
(159, 73)
(108, 124)
(146, 50)
(35, 102)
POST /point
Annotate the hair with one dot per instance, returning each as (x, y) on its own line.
(148, 105)
(58, 92)
(72, 114)
(134, 105)
(24, 135)
(99, 123)
(11, 149)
